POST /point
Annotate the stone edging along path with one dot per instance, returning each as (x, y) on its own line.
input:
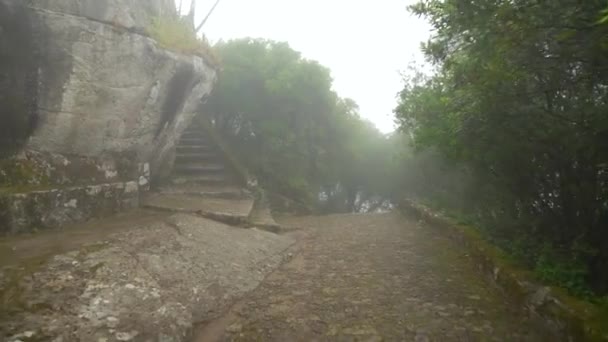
(551, 306)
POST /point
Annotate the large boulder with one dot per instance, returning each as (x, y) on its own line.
(105, 89)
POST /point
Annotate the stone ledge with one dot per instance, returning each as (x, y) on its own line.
(53, 208)
(560, 313)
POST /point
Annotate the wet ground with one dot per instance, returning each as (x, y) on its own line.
(372, 278)
(40, 245)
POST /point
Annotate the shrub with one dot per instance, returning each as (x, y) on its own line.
(568, 272)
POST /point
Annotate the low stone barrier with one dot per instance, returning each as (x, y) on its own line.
(43, 209)
(43, 190)
(560, 313)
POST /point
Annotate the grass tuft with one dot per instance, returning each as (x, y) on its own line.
(177, 34)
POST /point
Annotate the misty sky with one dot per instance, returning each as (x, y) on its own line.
(365, 43)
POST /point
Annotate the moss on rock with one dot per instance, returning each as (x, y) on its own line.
(18, 175)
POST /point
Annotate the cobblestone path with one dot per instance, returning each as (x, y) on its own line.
(373, 277)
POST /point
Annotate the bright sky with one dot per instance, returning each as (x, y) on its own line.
(366, 44)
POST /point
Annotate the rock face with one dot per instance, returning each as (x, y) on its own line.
(133, 14)
(104, 88)
(87, 98)
(150, 283)
(18, 77)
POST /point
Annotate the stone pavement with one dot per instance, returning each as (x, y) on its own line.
(373, 277)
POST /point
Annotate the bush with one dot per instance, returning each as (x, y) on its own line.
(570, 273)
(176, 34)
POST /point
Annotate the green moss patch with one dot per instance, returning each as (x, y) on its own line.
(16, 174)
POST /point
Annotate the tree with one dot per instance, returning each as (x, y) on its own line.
(300, 138)
(604, 17)
(192, 13)
(520, 99)
(200, 26)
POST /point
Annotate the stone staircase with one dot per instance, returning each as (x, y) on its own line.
(202, 183)
(197, 161)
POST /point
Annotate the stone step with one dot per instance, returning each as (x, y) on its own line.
(188, 134)
(230, 211)
(193, 141)
(198, 168)
(194, 148)
(195, 129)
(212, 191)
(206, 156)
(207, 179)
(261, 218)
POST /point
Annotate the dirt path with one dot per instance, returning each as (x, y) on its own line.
(372, 278)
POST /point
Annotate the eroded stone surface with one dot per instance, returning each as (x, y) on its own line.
(15, 250)
(374, 278)
(149, 283)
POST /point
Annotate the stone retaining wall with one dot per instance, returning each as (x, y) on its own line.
(44, 209)
(33, 169)
(562, 314)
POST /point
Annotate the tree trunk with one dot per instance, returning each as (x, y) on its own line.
(200, 26)
(192, 12)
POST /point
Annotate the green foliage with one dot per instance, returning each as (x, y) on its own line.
(603, 303)
(604, 18)
(176, 34)
(518, 107)
(570, 273)
(300, 139)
